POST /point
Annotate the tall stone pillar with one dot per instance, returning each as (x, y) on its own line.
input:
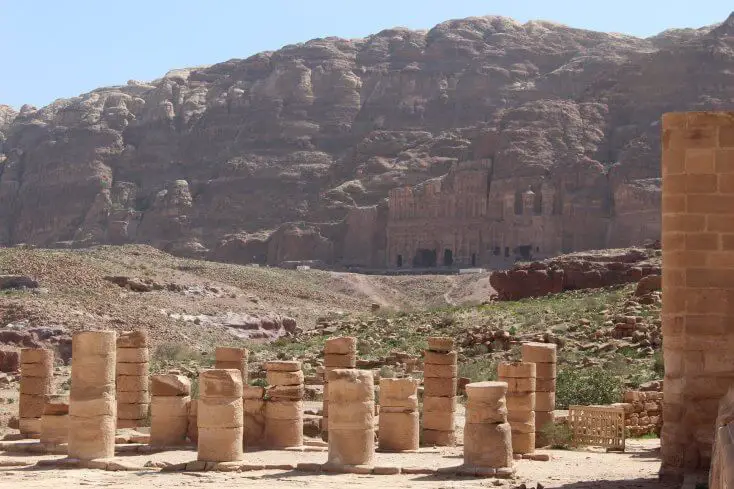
(220, 416)
(284, 407)
(520, 379)
(440, 373)
(352, 417)
(169, 409)
(544, 356)
(698, 283)
(339, 352)
(133, 398)
(36, 384)
(398, 415)
(92, 403)
(487, 438)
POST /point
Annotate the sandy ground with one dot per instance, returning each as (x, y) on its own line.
(637, 468)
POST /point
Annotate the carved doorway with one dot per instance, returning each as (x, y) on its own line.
(400, 261)
(424, 258)
(448, 257)
(525, 252)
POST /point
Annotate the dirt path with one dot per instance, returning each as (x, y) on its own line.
(569, 469)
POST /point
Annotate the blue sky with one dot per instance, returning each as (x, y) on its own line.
(53, 48)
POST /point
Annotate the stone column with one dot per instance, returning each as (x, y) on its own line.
(520, 379)
(253, 398)
(398, 423)
(340, 352)
(36, 384)
(133, 399)
(284, 407)
(220, 417)
(544, 356)
(698, 283)
(55, 421)
(352, 417)
(169, 409)
(440, 374)
(232, 358)
(487, 438)
(92, 403)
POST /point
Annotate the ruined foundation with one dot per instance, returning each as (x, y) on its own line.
(92, 403)
(36, 384)
(220, 417)
(284, 407)
(253, 399)
(352, 417)
(487, 438)
(55, 421)
(133, 398)
(698, 283)
(169, 409)
(340, 352)
(544, 356)
(440, 374)
(521, 385)
(398, 423)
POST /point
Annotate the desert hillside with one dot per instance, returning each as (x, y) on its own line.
(291, 155)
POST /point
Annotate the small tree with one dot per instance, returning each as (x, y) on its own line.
(586, 387)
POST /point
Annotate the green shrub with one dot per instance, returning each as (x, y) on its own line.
(478, 369)
(657, 366)
(586, 387)
(177, 352)
(559, 436)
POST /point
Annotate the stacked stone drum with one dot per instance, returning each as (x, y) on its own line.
(169, 409)
(398, 423)
(133, 398)
(253, 399)
(284, 407)
(487, 437)
(232, 358)
(36, 384)
(351, 417)
(220, 416)
(92, 404)
(440, 373)
(340, 352)
(55, 421)
(520, 380)
(544, 356)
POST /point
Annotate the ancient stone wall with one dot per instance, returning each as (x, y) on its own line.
(698, 282)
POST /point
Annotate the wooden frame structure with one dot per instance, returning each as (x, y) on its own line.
(601, 426)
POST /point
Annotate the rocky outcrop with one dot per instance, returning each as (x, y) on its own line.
(290, 155)
(575, 272)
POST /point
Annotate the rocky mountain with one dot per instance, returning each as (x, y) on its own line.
(291, 155)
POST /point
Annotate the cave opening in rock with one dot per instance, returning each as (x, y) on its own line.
(424, 258)
(400, 261)
(474, 259)
(448, 257)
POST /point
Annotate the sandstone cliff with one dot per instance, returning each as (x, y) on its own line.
(290, 155)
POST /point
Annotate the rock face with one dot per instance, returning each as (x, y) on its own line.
(482, 137)
(577, 271)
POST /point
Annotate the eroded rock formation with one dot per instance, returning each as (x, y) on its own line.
(290, 155)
